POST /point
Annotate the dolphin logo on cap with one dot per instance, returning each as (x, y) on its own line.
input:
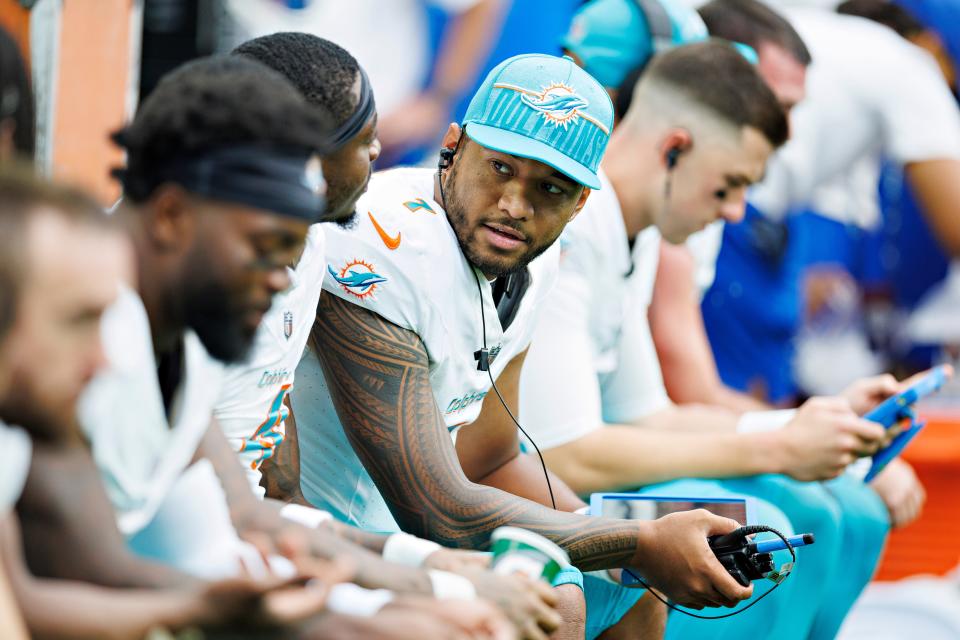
(558, 107)
(558, 103)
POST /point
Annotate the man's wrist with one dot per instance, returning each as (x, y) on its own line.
(773, 451)
(646, 537)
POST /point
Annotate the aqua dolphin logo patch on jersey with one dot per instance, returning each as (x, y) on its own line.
(357, 277)
(419, 205)
(557, 103)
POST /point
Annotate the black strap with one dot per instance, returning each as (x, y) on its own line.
(508, 292)
(366, 109)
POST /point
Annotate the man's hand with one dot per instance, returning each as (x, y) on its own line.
(675, 558)
(463, 618)
(901, 491)
(866, 393)
(456, 560)
(824, 438)
(529, 604)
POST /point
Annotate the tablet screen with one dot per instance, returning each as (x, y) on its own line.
(636, 507)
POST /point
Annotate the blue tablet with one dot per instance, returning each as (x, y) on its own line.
(897, 408)
(636, 506)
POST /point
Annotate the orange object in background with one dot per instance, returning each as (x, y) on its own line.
(16, 20)
(99, 44)
(931, 545)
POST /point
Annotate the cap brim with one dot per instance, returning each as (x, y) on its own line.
(516, 144)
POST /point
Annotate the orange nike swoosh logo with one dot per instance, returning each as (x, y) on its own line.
(391, 242)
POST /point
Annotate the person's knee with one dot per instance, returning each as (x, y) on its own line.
(572, 607)
(866, 521)
(808, 505)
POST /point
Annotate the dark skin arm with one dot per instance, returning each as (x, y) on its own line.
(233, 608)
(489, 449)
(378, 374)
(689, 370)
(261, 521)
(69, 526)
(281, 472)
(80, 607)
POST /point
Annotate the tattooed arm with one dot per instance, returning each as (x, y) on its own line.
(378, 375)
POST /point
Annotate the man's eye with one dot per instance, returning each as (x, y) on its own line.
(500, 168)
(551, 188)
(720, 194)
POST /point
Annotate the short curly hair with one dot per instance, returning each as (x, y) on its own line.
(212, 103)
(323, 72)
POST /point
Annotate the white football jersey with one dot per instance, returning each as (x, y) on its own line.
(251, 411)
(140, 453)
(403, 262)
(592, 358)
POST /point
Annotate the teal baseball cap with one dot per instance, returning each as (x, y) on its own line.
(613, 37)
(544, 108)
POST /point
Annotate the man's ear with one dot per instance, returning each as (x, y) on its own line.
(452, 137)
(170, 218)
(581, 202)
(676, 141)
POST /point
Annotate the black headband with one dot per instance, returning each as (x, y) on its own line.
(365, 110)
(268, 179)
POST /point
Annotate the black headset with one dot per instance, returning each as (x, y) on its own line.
(446, 158)
(673, 154)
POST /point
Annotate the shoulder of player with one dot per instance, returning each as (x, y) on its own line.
(398, 221)
(594, 234)
(402, 198)
(399, 243)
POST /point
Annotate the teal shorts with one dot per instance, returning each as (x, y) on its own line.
(606, 602)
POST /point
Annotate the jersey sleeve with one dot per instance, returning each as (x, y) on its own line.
(383, 263)
(363, 273)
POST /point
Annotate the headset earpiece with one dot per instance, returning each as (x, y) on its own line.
(673, 154)
(446, 158)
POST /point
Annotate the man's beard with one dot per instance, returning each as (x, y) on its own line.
(457, 218)
(345, 221)
(44, 422)
(349, 222)
(218, 324)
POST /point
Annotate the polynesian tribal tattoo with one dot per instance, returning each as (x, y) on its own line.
(378, 375)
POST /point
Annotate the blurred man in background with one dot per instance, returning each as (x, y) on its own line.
(417, 84)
